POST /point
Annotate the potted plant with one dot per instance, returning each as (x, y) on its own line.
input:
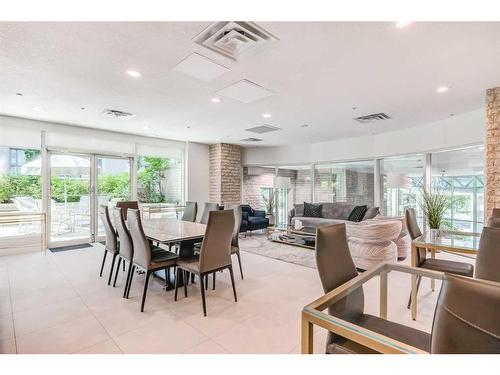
(434, 205)
(269, 207)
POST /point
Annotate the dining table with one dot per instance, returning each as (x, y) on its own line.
(434, 240)
(173, 232)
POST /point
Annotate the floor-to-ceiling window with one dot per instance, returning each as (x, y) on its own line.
(401, 184)
(460, 175)
(297, 189)
(160, 182)
(351, 182)
(259, 188)
(20, 191)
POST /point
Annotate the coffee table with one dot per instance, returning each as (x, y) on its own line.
(287, 234)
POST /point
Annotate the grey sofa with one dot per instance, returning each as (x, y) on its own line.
(333, 213)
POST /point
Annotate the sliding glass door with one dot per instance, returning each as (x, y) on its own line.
(79, 184)
(70, 198)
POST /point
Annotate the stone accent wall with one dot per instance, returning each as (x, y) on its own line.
(255, 178)
(492, 150)
(225, 173)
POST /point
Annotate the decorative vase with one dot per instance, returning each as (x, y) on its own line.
(271, 219)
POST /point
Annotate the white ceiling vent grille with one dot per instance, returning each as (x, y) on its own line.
(251, 140)
(234, 39)
(117, 114)
(373, 117)
(263, 129)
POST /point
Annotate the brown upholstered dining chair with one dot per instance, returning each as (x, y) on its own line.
(190, 212)
(126, 246)
(111, 245)
(144, 256)
(466, 317)
(335, 267)
(215, 253)
(494, 222)
(488, 257)
(496, 213)
(125, 205)
(443, 265)
(235, 243)
(206, 210)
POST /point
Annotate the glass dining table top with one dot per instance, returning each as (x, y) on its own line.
(448, 240)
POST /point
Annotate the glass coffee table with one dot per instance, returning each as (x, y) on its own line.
(288, 234)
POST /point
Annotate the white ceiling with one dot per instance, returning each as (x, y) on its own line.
(318, 71)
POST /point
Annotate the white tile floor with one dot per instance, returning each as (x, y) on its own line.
(56, 303)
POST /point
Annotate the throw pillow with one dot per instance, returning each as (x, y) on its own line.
(312, 210)
(371, 213)
(357, 213)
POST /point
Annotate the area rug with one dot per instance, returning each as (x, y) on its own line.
(260, 245)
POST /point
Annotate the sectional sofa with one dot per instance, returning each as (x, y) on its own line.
(374, 239)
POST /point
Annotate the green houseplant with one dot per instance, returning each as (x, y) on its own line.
(269, 206)
(434, 205)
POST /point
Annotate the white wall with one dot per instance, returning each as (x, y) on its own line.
(197, 174)
(456, 131)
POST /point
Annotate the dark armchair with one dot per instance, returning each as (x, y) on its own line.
(252, 219)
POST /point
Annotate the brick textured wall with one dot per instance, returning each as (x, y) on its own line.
(225, 173)
(255, 178)
(492, 149)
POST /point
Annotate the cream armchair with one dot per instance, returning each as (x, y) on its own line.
(374, 241)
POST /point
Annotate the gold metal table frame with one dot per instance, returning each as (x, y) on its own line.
(313, 314)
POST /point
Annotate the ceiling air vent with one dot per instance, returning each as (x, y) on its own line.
(116, 114)
(234, 39)
(251, 140)
(372, 117)
(263, 129)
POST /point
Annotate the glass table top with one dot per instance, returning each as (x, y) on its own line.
(311, 231)
(448, 240)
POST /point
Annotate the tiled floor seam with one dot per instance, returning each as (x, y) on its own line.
(91, 313)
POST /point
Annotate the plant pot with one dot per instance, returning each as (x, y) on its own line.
(272, 219)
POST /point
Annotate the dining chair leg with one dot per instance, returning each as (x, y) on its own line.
(185, 276)
(202, 289)
(232, 283)
(167, 277)
(112, 268)
(206, 281)
(418, 286)
(239, 262)
(123, 265)
(103, 261)
(177, 282)
(128, 278)
(213, 281)
(145, 291)
(117, 271)
(130, 281)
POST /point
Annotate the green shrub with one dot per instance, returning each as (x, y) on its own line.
(19, 185)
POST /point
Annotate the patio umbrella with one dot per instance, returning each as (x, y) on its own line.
(62, 165)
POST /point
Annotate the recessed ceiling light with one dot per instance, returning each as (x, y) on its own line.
(442, 89)
(217, 139)
(146, 128)
(401, 24)
(215, 100)
(266, 115)
(39, 109)
(133, 73)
